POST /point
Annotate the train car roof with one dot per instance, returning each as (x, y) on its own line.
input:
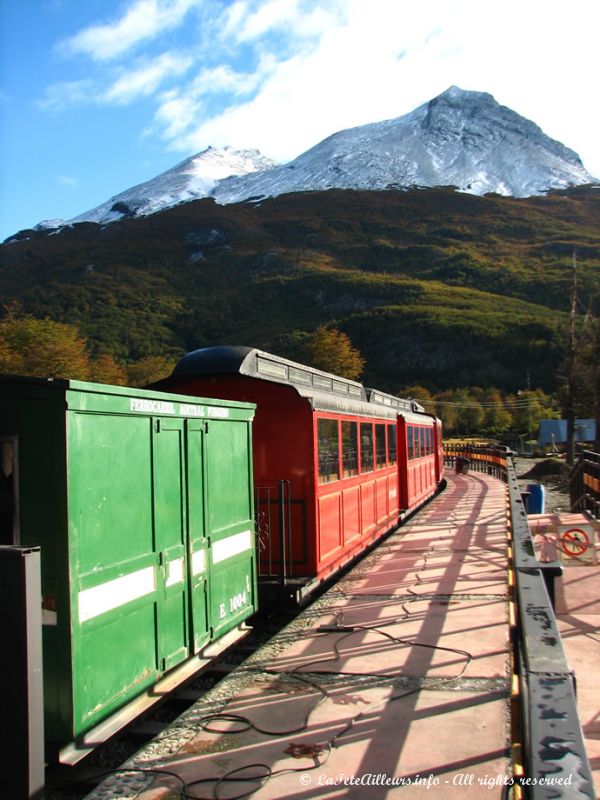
(324, 390)
(382, 398)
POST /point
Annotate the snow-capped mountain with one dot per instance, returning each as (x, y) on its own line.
(192, 179)
(460, 138)
(463, 139)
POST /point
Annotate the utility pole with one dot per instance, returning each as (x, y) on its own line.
(571, 362)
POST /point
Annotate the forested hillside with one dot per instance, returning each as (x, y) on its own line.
(432, 286)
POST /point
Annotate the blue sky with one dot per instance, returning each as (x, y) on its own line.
(99, 95)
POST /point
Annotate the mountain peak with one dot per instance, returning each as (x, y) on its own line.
(455, 92)
(460, 138)
(193, 178)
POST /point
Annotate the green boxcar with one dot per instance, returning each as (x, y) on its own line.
(142, 503)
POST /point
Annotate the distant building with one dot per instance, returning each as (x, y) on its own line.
(554, 431)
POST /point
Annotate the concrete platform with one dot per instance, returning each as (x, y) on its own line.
(397, 677)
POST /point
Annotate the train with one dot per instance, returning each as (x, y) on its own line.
(169, 516)
(336, 464)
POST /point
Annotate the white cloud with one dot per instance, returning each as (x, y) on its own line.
(130, 85)
(143, 20)
(281, 75)
(65, 94)
(68, 181)
(175, 115)
(268, 16)
(378, 60)
(223, 79)
(234, 17)
(145, 80)
(354, 75)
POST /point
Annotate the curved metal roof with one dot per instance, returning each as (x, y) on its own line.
(325, 391)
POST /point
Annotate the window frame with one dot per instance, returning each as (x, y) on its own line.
(356, 468)
(330, 476)
(372, 453)
(379, 428)
(365, 465)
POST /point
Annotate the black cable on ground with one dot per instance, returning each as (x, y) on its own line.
(245, 723)
(329, 745)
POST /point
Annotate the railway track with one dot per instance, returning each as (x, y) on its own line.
(64, 782)
(362, 644)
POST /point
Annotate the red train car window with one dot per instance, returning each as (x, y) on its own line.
(349, 449)
(392, 447)
(380, 447)
(366, 447)
(328, 448)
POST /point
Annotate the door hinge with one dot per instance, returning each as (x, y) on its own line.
(157, 425)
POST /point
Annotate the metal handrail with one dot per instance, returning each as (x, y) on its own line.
(490, 459)
(548, 724)
(584, 484)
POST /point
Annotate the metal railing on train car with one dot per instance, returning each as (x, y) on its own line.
(584, 484)
(274, 530)
(549, 755)
(281, 532)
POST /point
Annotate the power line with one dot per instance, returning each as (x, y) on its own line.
(508, 405)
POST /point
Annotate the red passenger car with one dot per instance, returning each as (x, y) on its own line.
(421, 450)
(332, 467)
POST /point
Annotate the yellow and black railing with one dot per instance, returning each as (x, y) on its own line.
(584, 484)
(488, 458)
(546, 734)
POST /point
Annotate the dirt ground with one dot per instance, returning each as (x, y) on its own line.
(552, 473)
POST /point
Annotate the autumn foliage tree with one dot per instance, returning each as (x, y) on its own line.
(331, 350)
(45, 348)
(41, 347)
(149, 369)
(105, 369)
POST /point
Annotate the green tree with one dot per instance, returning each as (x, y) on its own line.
(471, 413)
(497, 418)
(41, 347)
(447, 411)
(589, 373)
(528, 408)
(332, 351)
(291, 344)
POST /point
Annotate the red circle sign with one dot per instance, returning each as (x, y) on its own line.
(574, 542)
